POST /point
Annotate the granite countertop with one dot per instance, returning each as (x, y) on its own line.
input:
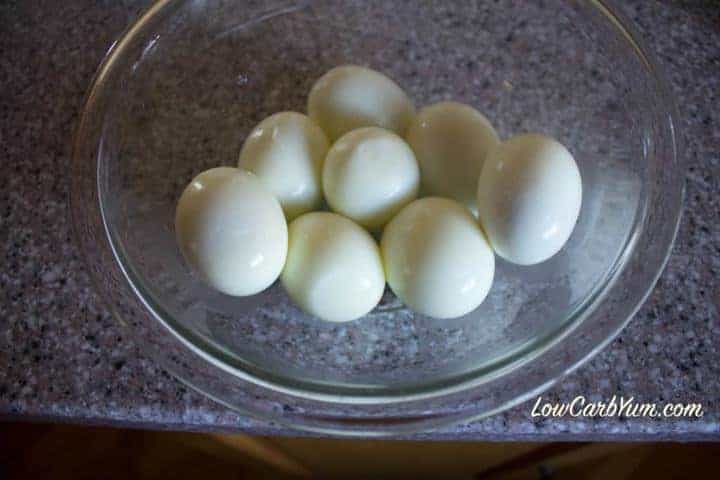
(62, 357)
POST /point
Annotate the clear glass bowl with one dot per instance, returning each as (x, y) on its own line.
(178, 93)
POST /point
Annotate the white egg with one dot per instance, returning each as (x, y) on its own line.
(369, 175)
(333, 269)
(451, 141)
(350, 97)
(437, 259)
(232, 231)
(286, 151)
(529, 198)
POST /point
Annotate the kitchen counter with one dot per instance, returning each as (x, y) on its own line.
(63, 358)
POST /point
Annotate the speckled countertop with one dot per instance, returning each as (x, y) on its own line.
(63, 359)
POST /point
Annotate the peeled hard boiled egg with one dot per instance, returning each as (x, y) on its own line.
(232, 231)
(350, 97)
(333, 269)
(529, 198)
(286, 151)
(437, 259)
(451, 141)
(369, 175)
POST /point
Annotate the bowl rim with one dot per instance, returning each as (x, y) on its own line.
(588, 305)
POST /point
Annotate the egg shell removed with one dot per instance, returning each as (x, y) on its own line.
(231, 231)
(333, 270)
(529, 198)
(286, 151)
(437, 259)
(350, 97)
(369, 175)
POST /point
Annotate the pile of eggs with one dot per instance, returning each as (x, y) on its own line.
(438, 187)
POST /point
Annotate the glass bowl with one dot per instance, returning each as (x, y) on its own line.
(178, 93)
